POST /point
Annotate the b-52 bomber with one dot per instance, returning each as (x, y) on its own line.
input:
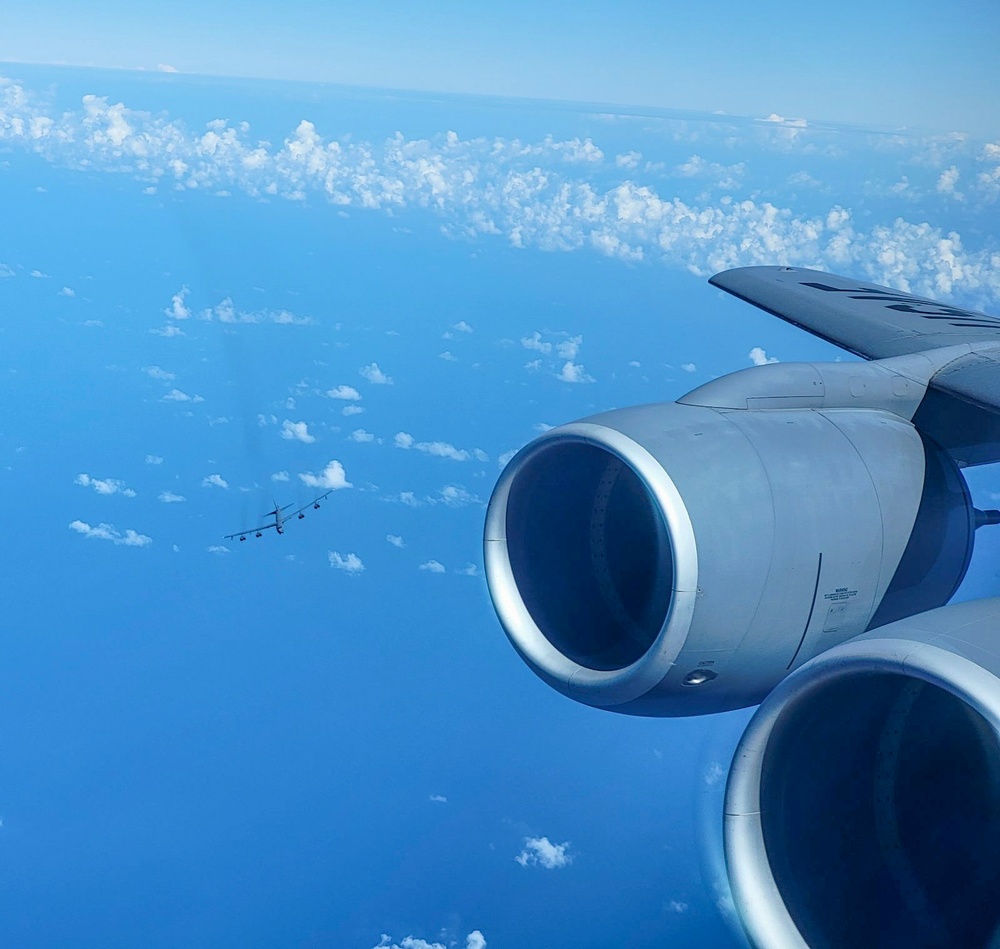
(280, 517)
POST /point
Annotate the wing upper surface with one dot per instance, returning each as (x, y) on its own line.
(877, 322)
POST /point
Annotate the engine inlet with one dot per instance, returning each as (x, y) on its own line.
(583, 570)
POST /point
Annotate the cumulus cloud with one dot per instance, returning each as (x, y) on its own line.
(469, 570)
(296, 431)
(395, 540)
(104, 485)
(168, 497)
(280, 476)
(347, 393)
(374, 375)
(226, 312)
(154, 460)
(474, 940)
(349, 410)
(67, 292)
(107, 532)
(538, 194)
(689, 367)
(331, 478)
(218, 549)
(438, 449)
(760, 358)
(360, 436)
(178, 308)
(454, 495)
(569, 348)
(438, 799)
(535, 342)
(714, 773)
(432, 566)
(349, 563)
(156, 372)
(461, 327)
(676, 906)
(572, 372)
(541, 851)
(176, 395)
(214, 481)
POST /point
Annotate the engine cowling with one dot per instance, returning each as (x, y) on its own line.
(863, 804)
(678, 559)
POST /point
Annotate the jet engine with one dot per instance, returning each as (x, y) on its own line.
(789, 535)
(676, 559)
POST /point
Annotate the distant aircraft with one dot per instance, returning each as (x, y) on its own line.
(279, 518)
(790, 535)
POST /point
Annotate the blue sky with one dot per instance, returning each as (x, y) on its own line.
(918, 64)
(219, 292)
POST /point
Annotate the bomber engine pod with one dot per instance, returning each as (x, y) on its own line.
(863, 805)
(676, 559)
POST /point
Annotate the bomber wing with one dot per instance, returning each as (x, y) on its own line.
(250, 530)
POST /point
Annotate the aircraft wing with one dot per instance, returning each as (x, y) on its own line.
(248, 531)
(878, 322)
(314, 501)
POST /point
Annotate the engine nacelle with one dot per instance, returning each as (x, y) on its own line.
(863, 804)
(678, 559)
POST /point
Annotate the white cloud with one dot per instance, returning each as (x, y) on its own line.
(168, 331)
(350, 410)
(219, 549)
(347, 393)
(439, 449)
(373, 374)
(154, 460)
(107, 532)
(448, 356)
(572, 372)
(628, 160)
(760, 358)
(360, 436)
(350, 563)
(395, 540)
(438, 799)
(676, 906)
(541, 851)
(104, 485)
(538, 194)
(469, 570)
(714, 773)
(165, 67)
(569, 348)
(296, 431)
(178, 308)
(226, 312)
(156, 372)
(214, 481)
(280, 476)
(331, 478)
(39, 275)
(462, 327)
(947, 180)
(474, 940)
(689, 367)
(505, 457)
(455, 495)
(6, 271)
(168, 497)
(535, 342)
(175, 395)
(67, 292)
(432, 566)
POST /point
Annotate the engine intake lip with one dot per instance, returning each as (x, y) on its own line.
(756, 894)
(602, 687)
